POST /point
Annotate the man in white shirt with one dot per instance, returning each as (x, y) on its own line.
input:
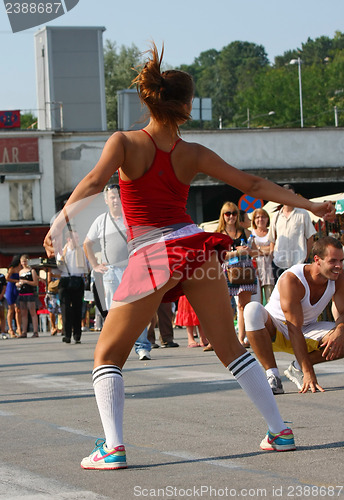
(109, 231)
(289, 321)
(291, 237)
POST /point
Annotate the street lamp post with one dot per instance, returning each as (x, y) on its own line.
(270, 113)
(298, 62)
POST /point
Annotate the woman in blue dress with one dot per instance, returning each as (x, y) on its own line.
(11, 295)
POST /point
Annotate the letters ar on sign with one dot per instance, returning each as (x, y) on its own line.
(248, 203)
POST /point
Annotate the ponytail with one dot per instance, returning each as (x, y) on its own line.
(164, 93)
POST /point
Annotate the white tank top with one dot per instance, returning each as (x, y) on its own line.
(310, 312)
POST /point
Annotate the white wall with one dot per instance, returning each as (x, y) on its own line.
(76, 154)
(272, 148)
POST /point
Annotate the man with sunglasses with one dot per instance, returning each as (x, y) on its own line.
(109, 231)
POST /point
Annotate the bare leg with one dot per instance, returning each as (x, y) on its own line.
(34, 318)
(10, 316)
(53, 327)
(18, 319)
(208, 294)
(24, 318)
(243, 299)
(190, 332)
(261, 343)
(202, 337)
(124, 324)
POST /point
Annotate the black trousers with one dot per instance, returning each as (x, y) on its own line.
(165, 317)
(71, 293)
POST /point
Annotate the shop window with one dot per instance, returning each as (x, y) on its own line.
(21, 203)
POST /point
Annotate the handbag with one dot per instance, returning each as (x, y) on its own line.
(53, 286)
(240, 275)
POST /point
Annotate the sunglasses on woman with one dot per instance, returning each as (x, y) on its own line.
(230, 213)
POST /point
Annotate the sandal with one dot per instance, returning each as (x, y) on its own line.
(208, 348)
(194, 344)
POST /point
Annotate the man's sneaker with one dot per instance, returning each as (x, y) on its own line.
(4, 336)
(143, 355)
(105, 459)
(276, 384)
(295, 375)
(283, 441)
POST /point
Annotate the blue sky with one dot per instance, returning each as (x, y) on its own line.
(187, 28)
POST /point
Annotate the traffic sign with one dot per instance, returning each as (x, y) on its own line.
(248, 203)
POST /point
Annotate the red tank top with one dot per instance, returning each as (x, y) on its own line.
(157, 198)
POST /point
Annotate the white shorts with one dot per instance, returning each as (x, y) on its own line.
(256, 317)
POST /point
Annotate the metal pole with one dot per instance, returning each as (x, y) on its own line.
(61, 115)
(335, 116)
(248, 118)
(300, 91)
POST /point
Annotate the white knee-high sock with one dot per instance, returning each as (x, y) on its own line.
(109, 391)
(252, 379)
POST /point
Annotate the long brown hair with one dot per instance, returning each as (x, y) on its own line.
(228, 205)
(164, 93)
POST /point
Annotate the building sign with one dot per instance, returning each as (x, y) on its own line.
(10, 119)
(19, 155)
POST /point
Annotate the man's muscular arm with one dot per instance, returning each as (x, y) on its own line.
(333, 342)
(292, 292)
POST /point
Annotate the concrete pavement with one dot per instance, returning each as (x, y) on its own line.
(190, 431)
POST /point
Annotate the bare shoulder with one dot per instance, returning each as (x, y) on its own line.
(340, 283)
(289, 284)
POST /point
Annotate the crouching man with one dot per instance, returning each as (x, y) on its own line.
(289, 321)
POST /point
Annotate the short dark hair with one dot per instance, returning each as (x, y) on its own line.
(320, 246)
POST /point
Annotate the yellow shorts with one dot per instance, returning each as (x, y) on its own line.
(281, 344)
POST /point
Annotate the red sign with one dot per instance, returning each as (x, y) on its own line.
(10, 119)
(248, 203)
(18, 150)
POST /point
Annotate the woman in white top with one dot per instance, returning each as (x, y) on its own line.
(260, 228)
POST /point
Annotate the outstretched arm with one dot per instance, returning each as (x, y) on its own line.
(112, 158)
(333, 342)
(211, 164)
(291, 293)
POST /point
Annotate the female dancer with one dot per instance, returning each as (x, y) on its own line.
(11, 295)
(156, 168)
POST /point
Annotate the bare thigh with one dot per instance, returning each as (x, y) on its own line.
(207, 292)
(124, 324)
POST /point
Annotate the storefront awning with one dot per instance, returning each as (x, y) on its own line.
(19, 240)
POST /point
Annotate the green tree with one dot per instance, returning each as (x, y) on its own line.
(119, 67)
(220, 74)
(277, 88)
(28, 120)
